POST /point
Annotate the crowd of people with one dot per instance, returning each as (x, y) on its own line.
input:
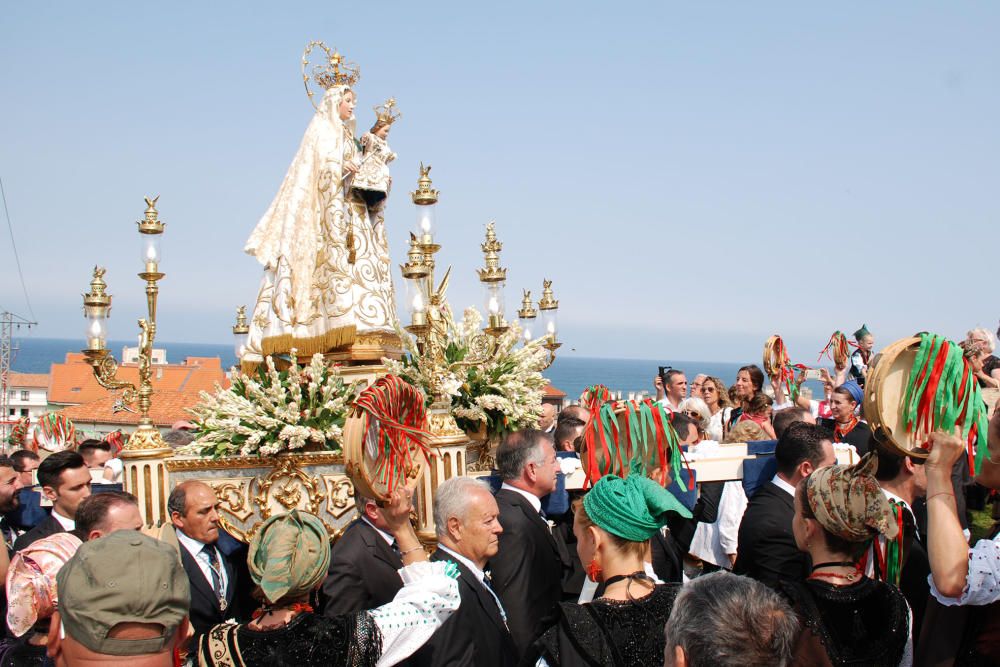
(814, 563)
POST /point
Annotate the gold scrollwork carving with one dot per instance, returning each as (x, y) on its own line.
(289, 493)
(233, 496)
(340, 495)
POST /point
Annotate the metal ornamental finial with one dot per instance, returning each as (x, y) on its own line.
(527, 310)
(425, 195)
(241, 326)
(493, 272)
(547, 302)
(150, 223)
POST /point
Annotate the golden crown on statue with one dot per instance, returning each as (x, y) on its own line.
(336, 71)
(388, 113)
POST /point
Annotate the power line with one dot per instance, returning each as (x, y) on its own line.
(17, 259)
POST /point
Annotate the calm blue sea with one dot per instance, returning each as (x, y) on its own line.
(570, 374)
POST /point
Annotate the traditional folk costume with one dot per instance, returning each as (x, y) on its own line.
(289, 557)
(855, 432)
(612, 632)
(860, 358)
(864, 622)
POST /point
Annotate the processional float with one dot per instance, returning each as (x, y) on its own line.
(333, 395)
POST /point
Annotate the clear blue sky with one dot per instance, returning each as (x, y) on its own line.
(692, 176)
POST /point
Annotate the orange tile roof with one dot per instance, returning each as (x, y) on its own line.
(168, 407)
(28, 380)
(72, 382)
(552, 392)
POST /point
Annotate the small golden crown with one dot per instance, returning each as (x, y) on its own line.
(384, 113)
(336, 71)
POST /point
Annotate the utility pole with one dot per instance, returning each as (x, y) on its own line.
(8, 322)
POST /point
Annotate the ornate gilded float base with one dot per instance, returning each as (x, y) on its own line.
(251, 489)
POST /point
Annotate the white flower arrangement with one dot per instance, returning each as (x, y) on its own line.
(274, 411)
(504, 393)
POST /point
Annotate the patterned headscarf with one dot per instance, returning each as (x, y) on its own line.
(633, 509)
(31, 580)
(289, 555)
(849, 503)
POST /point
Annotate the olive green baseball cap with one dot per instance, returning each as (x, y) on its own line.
(126, 577)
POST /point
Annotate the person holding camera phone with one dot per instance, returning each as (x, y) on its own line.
(671, 387)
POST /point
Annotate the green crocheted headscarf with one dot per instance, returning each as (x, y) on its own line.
(633, 508)
(861, 333)
(289, 555)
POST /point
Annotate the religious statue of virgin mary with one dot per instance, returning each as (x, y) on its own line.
(327, 282)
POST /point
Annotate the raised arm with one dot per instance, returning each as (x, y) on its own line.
(947, 548)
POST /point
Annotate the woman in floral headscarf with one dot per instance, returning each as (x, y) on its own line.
(32, 598)
(847, 618)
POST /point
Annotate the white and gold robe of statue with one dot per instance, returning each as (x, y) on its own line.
(316, 294)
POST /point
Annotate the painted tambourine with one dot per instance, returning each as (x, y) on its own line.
(384, 437)
(919, 385)
(624, 437)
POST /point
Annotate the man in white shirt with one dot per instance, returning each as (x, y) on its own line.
(65, 481)
(468, 529)
(671, 389)
(194, 514)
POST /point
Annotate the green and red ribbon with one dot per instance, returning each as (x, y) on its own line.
(640, 440)
(942, 394)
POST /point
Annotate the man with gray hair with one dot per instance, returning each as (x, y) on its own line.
(528, 570)
(465, 519)
(724, 620)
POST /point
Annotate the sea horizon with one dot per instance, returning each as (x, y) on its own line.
(571, 374)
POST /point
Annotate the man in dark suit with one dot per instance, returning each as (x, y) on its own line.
(767, 550)
(194, 514)
(528, 569)
(465, 519)
(65, 480)
(364, 564)
(903, 482)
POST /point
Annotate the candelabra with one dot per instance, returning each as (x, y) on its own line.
(97, 309)
(426, 304)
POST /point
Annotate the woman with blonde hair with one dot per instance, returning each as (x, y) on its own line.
(987, 364)
(716, 398)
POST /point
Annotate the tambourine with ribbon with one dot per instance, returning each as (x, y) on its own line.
(623, 437)
(53, 433)
(384, 437)
(778, 365)
(922, 384)
(838, 349)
